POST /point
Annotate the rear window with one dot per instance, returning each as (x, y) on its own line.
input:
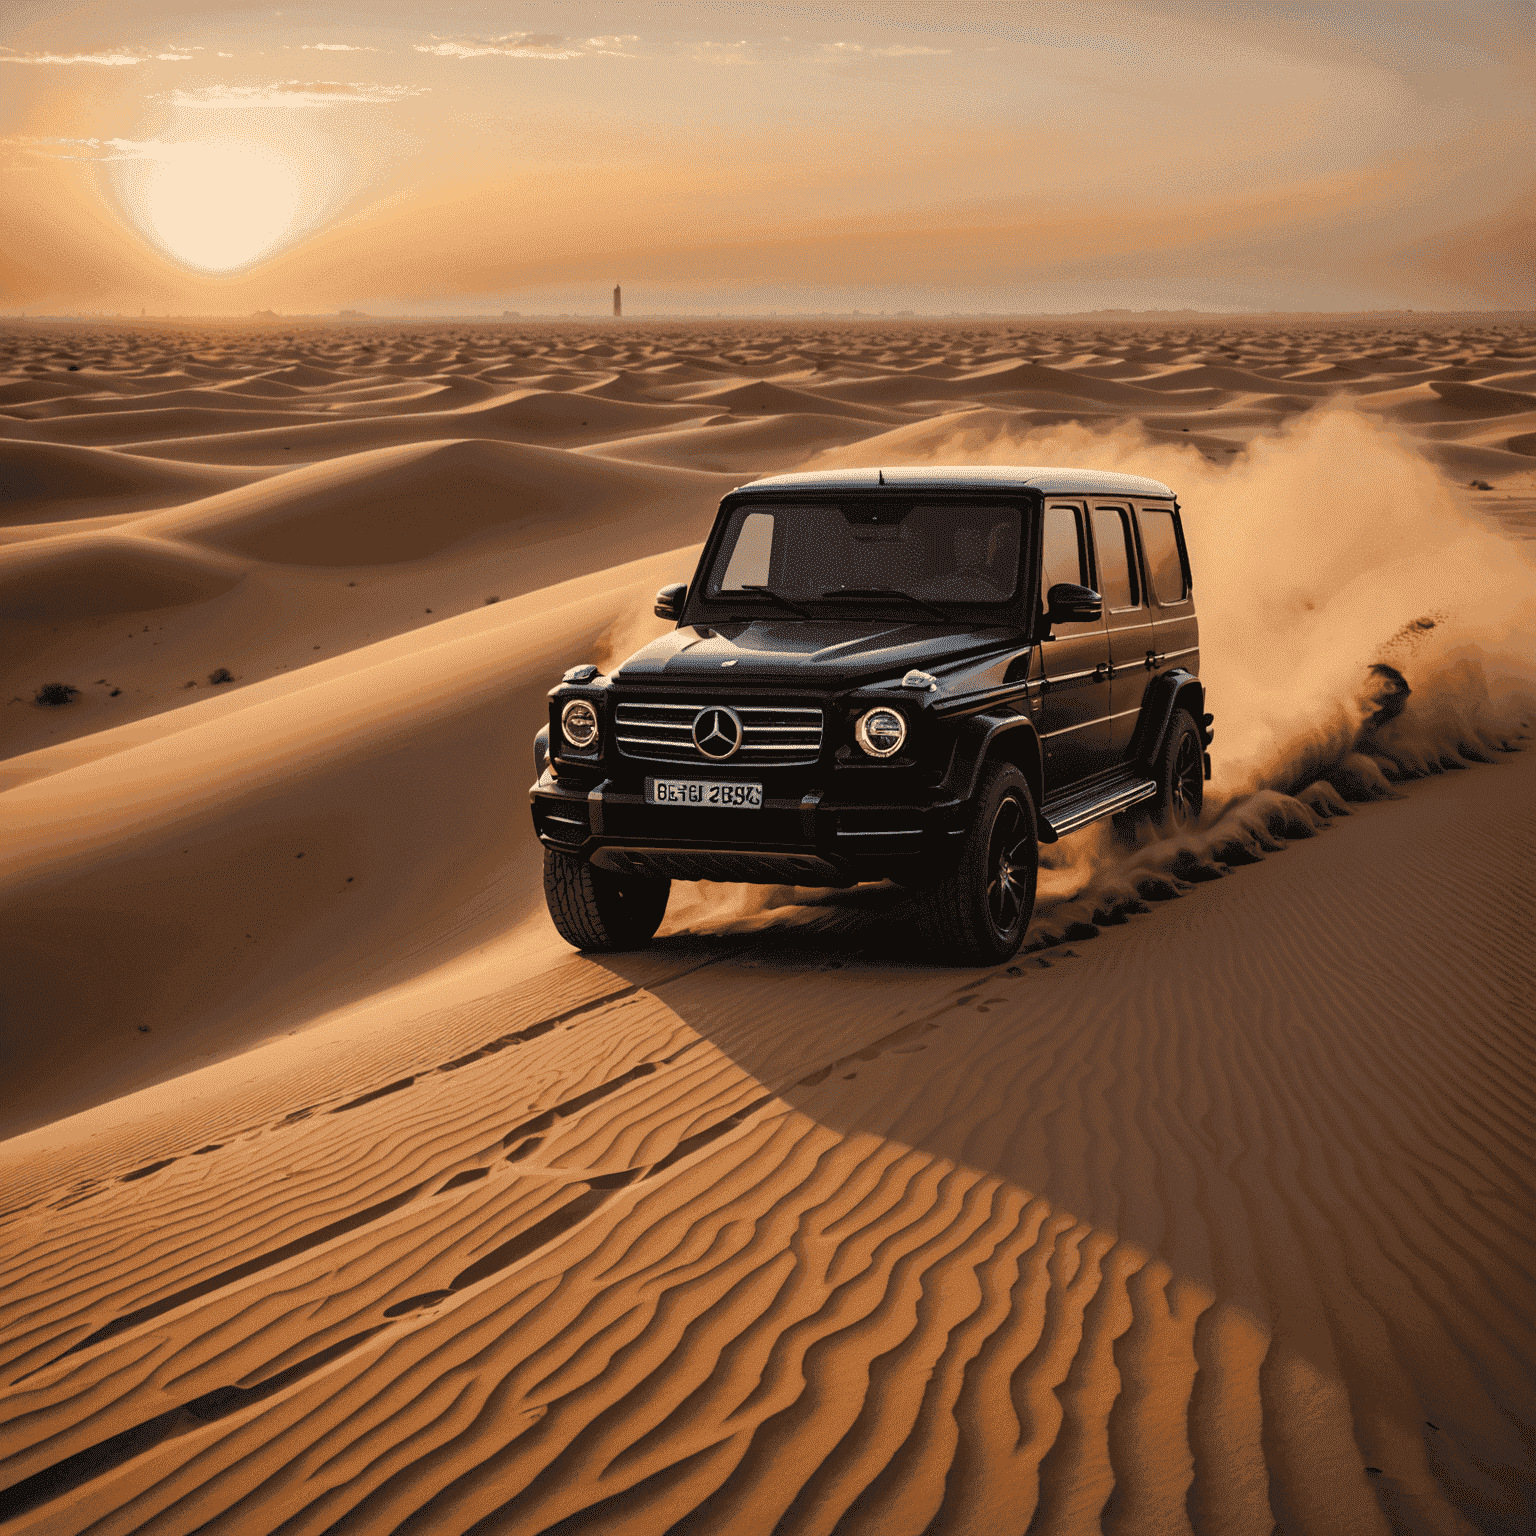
(1160, 545)
(942, 552)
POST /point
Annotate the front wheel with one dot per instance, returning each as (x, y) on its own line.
(978, 915)
(598, 910)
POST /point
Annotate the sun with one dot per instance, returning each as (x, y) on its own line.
(217, 204)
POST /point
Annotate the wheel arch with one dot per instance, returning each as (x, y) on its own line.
(1174, 690)
(1001, 738)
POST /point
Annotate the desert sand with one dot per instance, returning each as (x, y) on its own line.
(340, 1195)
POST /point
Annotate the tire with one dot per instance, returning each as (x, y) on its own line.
(596, 910)
(978, 915)
(1180, 775)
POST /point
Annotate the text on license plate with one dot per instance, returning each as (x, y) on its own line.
(703, 792)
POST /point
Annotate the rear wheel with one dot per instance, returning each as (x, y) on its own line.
(979, 914)
(598, 910)
(1182, 781)
(1180, 775)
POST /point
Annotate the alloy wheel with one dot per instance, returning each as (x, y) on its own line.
(1185, 786)
(1008, 866)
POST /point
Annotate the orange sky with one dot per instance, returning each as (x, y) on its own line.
(196, 157)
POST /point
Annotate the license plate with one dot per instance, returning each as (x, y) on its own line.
(703, 792)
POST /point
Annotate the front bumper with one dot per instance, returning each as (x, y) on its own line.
(788, 841)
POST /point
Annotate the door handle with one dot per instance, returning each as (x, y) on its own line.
(1103, 672)
(1154, 660)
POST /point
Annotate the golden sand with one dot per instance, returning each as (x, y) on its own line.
(341, 1196)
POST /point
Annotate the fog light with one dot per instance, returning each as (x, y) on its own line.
(881, 732)
(578, 723)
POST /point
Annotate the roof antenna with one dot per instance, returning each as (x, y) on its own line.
(881, 474)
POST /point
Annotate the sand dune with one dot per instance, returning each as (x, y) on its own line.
(394, 504)
(539, 416)
(750, 448)
(1208, 376)
(341, 1196)
(1522, 380)
(535, 417)
(763, 399)
(119, 428)
(1458, 400)
(60, 579)
(114, 405)
(345, 545)
(326, 757)
(1508, 464)
(981, 429)
(46, 482)
(265, 387)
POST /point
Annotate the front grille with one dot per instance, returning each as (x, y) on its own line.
(772, 735)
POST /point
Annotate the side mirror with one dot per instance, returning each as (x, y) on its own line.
(1067, 603)
(670, 600)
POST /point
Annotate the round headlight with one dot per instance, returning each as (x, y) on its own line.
(880, 732)
(578, 723)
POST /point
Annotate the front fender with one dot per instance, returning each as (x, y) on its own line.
(541, 752)
(1008, 737)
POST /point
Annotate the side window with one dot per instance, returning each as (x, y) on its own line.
(1160, 544)
(1117, 558)
(750, 556)
(1061, 549)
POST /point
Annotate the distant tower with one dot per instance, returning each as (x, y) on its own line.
(618, 303)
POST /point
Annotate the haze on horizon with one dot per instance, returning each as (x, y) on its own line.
(204, 158)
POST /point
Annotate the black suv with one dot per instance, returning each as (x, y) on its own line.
(913, 674)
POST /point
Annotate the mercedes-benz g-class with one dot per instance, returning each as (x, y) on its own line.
(907, 674)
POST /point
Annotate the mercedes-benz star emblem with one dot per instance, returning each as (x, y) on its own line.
(717, 731)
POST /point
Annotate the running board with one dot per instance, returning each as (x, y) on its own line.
(1076, 810)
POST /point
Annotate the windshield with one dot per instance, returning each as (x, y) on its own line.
(906, 552)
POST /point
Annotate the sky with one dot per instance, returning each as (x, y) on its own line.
(187, 156)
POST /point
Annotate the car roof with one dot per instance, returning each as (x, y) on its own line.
(1053, 482)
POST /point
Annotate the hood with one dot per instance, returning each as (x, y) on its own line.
(812, 653)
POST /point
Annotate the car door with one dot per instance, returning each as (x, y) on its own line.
(1127, 616)
(1168, 587)
(1075, 698)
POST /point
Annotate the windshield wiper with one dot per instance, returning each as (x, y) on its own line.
(905, 597)
(777, 597)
